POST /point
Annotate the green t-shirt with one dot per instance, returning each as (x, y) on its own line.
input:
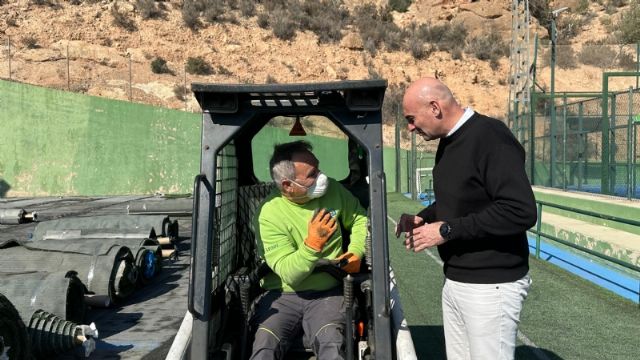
(281, 227)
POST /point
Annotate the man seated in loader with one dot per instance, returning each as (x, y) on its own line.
(297, 225)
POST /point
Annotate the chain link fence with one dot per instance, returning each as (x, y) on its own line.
(101, 70)
(571, 144)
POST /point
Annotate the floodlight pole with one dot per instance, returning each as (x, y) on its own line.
(552, 125)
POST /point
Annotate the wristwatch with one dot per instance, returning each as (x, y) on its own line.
(445, 231)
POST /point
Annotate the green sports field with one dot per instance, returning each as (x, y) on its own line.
(564, 317)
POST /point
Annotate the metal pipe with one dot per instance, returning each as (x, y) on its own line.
(564, 142)
(173, 207)
(612, 145)
(629, 143)
(635, 137)
(532, 117)
(581, 146)
(552, 110)
(9, 54)
(538, 230)
(17, 216)
(397, 146)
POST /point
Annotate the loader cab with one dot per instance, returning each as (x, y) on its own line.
(240, 125)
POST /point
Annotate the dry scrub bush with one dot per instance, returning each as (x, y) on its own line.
(148, 9)
(159, 66)
(122, 19)
(198, 66)
(597, 54)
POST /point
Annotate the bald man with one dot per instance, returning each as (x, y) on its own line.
(484, 206)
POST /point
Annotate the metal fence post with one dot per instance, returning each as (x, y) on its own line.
(582, 159)
(184, 92)
(68, 70)
(532, 116)
(604, 158)
(635, 154)
(564, 141)
(130, 90)
(613, 166)
(629, 145)
(9, 54)
(397, 134)
(539, 230)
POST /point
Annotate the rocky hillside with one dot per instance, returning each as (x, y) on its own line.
(150, 51)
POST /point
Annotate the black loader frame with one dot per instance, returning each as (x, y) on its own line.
(232, 116)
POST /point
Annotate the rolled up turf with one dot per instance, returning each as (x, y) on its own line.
(14, 341)
(161, 225)
(147, 253)
(60, 293)
(105, 269)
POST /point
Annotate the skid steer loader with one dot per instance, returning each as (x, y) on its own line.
(233, 179)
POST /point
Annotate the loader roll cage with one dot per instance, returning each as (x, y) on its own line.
(232, 116)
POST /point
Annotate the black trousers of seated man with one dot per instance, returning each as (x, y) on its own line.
(280, 317)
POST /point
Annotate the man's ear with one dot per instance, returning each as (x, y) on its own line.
(435, 108)
(286, 185)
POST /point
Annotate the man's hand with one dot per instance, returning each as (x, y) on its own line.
(425, 236)
(408, 222)
(321, 227)
(352, 262)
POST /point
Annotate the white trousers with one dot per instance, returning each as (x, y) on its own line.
(481, 320)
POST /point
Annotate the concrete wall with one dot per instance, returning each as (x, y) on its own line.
(60, 143)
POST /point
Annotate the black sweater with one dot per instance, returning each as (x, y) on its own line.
(483, 192)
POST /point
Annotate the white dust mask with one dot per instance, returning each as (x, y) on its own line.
(318, 188)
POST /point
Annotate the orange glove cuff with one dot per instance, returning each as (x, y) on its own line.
(353, 262)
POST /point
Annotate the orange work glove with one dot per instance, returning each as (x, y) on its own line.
(352, 262)
(321, 227)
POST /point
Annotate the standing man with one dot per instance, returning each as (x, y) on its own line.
(297, 225)
(484, 205)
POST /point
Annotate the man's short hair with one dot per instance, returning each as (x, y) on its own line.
(280, 165)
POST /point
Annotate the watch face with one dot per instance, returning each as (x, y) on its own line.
(445, 230)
